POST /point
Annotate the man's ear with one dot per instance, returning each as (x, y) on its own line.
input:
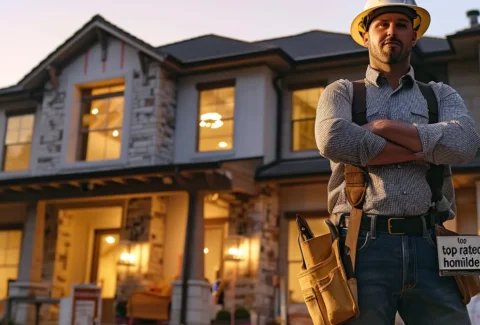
(366, 39)
(414, 38)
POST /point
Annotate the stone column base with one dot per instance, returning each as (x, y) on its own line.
(199, 303)
(24, 313)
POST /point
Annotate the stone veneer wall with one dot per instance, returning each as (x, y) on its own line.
(51, 130)
(148, 214)
(258, 220)
(152, 118)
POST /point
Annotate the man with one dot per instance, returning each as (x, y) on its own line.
(397, 146)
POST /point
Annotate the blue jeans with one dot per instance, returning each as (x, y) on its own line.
(400, 273)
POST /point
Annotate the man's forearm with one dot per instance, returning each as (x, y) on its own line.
(400, 133)
(393, 154)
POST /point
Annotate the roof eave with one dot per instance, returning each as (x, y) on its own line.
(27, 81)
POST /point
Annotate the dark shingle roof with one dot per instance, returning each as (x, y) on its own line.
(210, 47)
(315, 44)
(305, 46)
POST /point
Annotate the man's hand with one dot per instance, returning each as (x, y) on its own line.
(374, 126)
(400, 133)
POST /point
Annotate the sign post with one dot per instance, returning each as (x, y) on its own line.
(86, 304)
(458, 255)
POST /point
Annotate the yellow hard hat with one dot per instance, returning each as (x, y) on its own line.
(421, 21)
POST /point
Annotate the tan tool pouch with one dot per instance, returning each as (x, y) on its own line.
(469, 285)
(330, 297)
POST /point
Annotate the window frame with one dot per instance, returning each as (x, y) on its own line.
(14, 227)
(212, 85)
(296, 87)
(7, 115)
(80, 130)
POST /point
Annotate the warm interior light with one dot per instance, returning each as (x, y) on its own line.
(115, 133)
(222, 144)
(211, 120)
(127, 258)
(205, 250)
(235, 252)
(110, 240)
(95, 111)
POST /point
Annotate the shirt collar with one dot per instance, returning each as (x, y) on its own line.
(376, 78)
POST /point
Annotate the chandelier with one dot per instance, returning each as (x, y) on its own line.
(211, 120)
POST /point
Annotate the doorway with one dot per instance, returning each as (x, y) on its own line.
(213, 251)
(106, 252)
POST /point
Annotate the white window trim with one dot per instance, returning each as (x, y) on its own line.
(33, 147)
(72, 112)
(217, 154)
(287, 138)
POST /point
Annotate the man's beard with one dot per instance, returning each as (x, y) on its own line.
(388, 55)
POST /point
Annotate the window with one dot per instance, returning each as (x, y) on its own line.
(101, 123)
(18, 140)
(304, 107)
(215, 121)
(318, 227)
(10, 244)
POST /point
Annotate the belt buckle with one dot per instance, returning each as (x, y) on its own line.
(390, 226)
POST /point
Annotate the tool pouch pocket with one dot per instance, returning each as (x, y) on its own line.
(329, 297)
(468, 285)
(355, 185)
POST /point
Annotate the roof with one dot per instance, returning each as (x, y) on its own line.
(83, 37)
(315, 44)
(211, 46)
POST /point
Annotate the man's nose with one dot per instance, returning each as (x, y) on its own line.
(391, 30)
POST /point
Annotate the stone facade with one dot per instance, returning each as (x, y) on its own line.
(144, 235)
(51, 130)
(152, 118)
(258, 222)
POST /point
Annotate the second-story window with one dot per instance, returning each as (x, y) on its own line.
(101, 124)
(304, 108)
(216, 117)
(18, 140)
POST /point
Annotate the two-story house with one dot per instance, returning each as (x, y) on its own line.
(133, 166)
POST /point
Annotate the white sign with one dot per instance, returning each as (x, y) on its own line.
(459, 254)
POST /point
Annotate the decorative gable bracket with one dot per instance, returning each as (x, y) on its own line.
(145, 61)
(103, 40)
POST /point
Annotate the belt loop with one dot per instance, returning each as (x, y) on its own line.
(424, 227)
(373, 227)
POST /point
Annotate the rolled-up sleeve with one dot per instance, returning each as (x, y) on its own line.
(337, 138)
(453, 139)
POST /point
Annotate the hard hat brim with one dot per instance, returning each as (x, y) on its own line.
(423, 13)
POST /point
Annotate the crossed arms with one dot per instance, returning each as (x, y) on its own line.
(382, 142)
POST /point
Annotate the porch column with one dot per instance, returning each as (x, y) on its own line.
(191, 293)
(30, 266)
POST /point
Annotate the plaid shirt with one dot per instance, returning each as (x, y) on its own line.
(396, 189)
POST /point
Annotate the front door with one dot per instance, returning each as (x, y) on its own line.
(213, 251)
(104, 263)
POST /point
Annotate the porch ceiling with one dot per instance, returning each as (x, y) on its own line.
(204, 176)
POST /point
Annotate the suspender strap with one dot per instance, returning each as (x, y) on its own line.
(355, 183)
(359, 105)
(432, 104)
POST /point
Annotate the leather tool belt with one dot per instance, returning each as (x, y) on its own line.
(412, 225)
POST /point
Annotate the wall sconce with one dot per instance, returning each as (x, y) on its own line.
(235, 248)
(127, 259)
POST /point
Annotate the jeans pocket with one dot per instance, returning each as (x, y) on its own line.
(363, 241)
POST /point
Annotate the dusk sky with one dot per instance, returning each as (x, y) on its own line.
(31, 29)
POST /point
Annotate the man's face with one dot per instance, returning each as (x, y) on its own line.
(390, 38)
